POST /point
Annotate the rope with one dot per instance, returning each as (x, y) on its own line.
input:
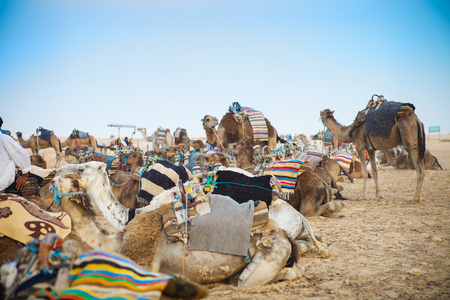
(58, 195)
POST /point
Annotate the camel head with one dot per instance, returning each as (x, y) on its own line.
(209, 122)
(142, 130)
(212, 158)
(88, 173)
(19, 134)
(71, 183)
(325, 114)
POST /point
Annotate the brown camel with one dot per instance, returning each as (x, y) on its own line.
(36, 143)
(181, 136)
(230, 131)
(312, 196)
(38, 160)
(407, 130)
(73, 140)
(404, 161)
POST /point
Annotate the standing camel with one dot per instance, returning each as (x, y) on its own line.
(169, 139)
(36, 143)
(74, 140)
(407, 130)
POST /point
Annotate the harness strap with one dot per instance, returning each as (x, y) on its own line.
(57, 195)
(131, 215)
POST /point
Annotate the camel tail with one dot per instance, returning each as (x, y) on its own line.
(295, 254)
(422, 148)
(59, 144)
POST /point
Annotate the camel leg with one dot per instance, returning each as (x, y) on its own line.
(322, 250)
(330, 208)
(420, 171)
(265, 266)
(374, 173)
(364, 172)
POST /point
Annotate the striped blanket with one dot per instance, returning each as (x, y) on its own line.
(161, 135)
(162, 176)
(104, 275)
(286, 172)
(258, 122)
(344, 159)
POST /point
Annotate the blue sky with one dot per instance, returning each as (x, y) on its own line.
(86, 64)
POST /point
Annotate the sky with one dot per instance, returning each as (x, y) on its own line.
(88, 63)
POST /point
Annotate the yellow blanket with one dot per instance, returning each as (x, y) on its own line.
(23, 221)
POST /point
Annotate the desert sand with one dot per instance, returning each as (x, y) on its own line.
(386, 249)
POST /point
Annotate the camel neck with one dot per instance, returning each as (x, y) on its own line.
(339, 131)
(113, 210)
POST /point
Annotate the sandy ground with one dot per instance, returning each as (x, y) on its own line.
(374, 245)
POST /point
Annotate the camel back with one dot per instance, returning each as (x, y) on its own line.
(45, 134)
(381, 118)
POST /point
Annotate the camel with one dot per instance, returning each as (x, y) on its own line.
(230, 131)
(407, 130)
(404, 161)
(36, 143)
(38, 160)
(181, 136)
(169, 138)
(73, 140)
(270, 247)
(312, 196)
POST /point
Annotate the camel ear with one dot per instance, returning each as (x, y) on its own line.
(102, 168)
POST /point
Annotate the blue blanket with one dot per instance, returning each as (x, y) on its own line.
(381, 119)
(45, 134)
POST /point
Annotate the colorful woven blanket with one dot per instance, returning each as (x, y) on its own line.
(23, 221)
(344, 159)
(286, 172)
(258, 122)
(104, 275)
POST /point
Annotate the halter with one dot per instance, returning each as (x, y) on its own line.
(57, 195)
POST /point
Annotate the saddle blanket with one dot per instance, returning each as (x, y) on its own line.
(344, 159)
(178, 132)
(286, 172)
(226, 229)
(242, 188)
(161, 135)
(112, 162)
(23, 221)
(381, 119)
(258, 122)
(45, 134)
(162, 176)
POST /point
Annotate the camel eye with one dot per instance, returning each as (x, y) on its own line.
(81, 169)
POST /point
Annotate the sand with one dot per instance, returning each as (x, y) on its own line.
(386, 249)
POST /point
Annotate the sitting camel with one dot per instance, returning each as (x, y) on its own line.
(124, 234)
(76, 140)
(231, 131)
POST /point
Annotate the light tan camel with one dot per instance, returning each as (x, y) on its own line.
(270, 247)
(169, 138)
(230, 131)
(407, 131)
(37, 143)
(73, 141)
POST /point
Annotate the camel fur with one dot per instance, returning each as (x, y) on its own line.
(230, 131)
(407, 131)
(270, 248)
